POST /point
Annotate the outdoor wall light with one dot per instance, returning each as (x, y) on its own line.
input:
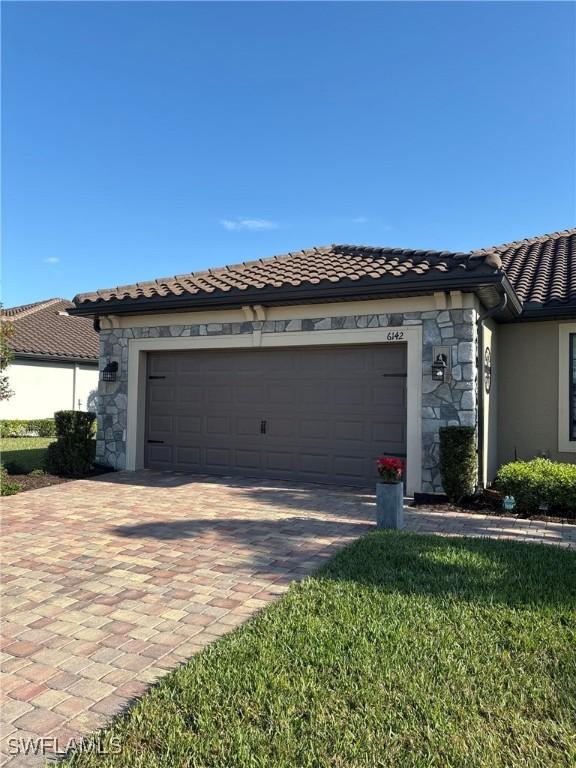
(439, 368)
(110, 371)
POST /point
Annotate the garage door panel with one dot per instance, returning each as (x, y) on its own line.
(311, 463)
(279, 427)
(315, 428)
(386, 431)
(250, 394)
(217, 458)
(160, 423)
(190, 457)
(393, 392)
(318, 414)
(245, 459)
(349, 394)
(312, 394)
(217, 425)
(160, 455)
(351, 467)
(160, 365)
(219, 395)
(247, 426)
(189, 425)
(191, 394)
(160, 394)
(350, 430)
(279, 460)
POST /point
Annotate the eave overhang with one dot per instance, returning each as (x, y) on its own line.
(488, 285)
(39, 357)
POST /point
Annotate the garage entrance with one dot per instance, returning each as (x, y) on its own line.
(315, 414)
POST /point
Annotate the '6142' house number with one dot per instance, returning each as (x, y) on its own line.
(395, 335)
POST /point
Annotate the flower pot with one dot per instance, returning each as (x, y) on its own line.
(389, 505)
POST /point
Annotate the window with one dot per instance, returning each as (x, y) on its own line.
(567, 387)
(572, 386)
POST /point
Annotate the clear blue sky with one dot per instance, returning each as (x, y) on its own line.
(149, 139)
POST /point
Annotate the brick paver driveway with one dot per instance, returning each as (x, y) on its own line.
(108, 583)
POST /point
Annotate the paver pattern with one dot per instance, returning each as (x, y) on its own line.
(108, 583)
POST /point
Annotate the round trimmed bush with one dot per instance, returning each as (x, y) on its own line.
(539, 481)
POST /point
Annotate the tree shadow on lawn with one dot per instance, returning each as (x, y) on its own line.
(476, 570)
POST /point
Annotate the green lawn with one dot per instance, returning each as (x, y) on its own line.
(27, 453)
(404, 651)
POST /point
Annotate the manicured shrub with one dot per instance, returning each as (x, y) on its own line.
(458, 462)
(27, 427)
(540, 481)
(7, 488)
(73, 452)
(45, 427)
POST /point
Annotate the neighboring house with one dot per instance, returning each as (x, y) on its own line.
(55, 364)
(308, 366)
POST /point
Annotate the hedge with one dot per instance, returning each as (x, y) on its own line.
(458, 462)
(27, 428)
(539, 481)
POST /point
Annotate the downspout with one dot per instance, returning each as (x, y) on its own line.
(480, 336)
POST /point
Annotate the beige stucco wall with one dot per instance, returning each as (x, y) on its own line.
(40, 389)
(490, 425)
(528, 363)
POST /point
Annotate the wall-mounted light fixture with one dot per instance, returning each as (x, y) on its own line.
(441, 363)
(110, 371)
(487, 370)
(439, 367)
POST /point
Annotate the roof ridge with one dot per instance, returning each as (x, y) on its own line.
(29, 309)
(525, 241)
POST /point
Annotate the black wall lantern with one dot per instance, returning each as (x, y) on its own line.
(439, 368)
(110, 371)
(487, 370)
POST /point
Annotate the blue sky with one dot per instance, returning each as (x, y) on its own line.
(149, 139)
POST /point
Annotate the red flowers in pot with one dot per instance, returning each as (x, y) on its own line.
(390, 468)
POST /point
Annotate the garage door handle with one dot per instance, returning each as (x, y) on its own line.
(263, 427)
(156, 441)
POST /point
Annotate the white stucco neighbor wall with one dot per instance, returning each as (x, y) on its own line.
(41, 388)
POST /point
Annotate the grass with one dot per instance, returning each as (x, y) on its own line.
(403, 651)
(24, 453)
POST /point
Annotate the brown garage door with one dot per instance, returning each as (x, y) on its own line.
(315, 414)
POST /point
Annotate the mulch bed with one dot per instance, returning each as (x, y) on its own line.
(32, 482)
(479, 508)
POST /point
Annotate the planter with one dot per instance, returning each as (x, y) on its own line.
(389, 505)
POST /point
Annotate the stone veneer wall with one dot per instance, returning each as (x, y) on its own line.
(449, 403)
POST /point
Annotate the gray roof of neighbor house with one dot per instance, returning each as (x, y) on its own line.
(541, 271)
(45, 329)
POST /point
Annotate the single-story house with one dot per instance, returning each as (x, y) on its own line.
(55, 363)
(309, 365)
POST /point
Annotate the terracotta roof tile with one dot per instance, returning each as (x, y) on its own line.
(45, 328)
(328, 264)
(540, 269)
